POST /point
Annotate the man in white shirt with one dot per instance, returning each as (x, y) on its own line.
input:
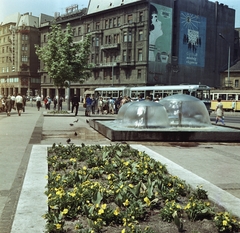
(19, 103)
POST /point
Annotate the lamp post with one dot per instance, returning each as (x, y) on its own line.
(229, 57)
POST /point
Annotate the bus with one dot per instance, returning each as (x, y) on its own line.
(227, 98)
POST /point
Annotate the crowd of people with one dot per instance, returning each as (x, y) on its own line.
(100, 105)
(13, 102)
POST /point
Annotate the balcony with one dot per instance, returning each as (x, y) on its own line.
(105, 65)
(110, 47)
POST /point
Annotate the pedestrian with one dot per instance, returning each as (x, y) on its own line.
(55, 103)
(60, 103)
(93, 105)
(233, 105)
(100, 105)
(75, 104)
(13, 100)
(219, 112)
(38, 102)
(46, 102)
(88, 105)
(111, 105)
(24, 102)
(49, 102)
(8, 105)
(19, 103)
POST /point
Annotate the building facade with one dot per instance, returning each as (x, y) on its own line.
(18, 61)
(164, 42)
(143, 42)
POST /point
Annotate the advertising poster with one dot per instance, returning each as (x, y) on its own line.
(160, 41)
(192, 40)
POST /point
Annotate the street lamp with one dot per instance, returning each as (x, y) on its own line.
(229, 53)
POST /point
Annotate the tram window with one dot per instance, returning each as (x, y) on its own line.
(115, 94)
(215, 96)
(177, 92)
(104, 94)
(223, 96)
(231, 96)
(186, 92)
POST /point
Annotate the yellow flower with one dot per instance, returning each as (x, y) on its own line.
(58, 226)
(101, 211)
(131, 185)
(126, 203)
(65, 211)
(123, 230)
(145, 171)
(148, 202)
(224, 223)
(116, 211)
(84, 168)
(104, 206)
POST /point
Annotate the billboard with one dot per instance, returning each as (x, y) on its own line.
(192, 40)
(160, 41)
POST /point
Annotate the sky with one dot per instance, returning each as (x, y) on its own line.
(9, 7)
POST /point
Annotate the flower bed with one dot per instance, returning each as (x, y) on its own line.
(119, 189)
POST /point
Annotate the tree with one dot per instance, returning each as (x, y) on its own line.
(65, 60)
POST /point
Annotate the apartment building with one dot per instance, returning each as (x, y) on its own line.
(18, 61)
(183, 45)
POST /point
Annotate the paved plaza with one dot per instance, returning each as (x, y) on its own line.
(23, 167)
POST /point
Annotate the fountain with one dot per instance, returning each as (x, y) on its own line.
(174, 118)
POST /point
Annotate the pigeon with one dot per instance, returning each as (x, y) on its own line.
(69, 140)
(71, 124)
(75, 121)
(87, 120)
(75, 133)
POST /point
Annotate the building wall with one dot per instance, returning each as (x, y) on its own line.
(120, 43)
(19, 63)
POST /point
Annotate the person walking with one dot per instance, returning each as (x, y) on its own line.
(8, 105)
(38, 102)
(24, 102)
(88, 105)
(75, 104)
(19, 103)
(219, 112)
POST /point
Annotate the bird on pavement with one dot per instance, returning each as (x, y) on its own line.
(75, 121)
(87, 120)
(71, 124)
(75, 133)
(69, 140)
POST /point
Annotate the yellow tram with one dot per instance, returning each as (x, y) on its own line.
(228, 97)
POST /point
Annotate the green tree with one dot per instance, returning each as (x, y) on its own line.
(65, 60)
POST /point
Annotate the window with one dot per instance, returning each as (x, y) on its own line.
(110, 23)
(124, 55)
(114, 38)
(140, 35)
(139, 74)
(124, 36)
(93, 41)
(44, 38)
(97, 25)
(129, 55)
(97, 41)
(130, 36)
(140, 16)
(24, 58)
(114, 22)
(118, 21)
(88, 28)
(140, 55)
(79, 31)
(130, 18)
(74, 31)
(106, 24)
(236, 83)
